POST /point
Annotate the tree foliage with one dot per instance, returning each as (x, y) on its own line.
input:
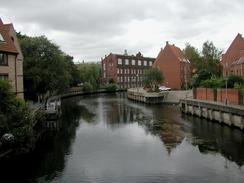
(152, 78)
(14, 115)
(46, 68)
(206, 64)
(90, 73)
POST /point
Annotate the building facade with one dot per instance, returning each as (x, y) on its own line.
(233, 60)
(11, 58)
(125, 70)
(176, 69)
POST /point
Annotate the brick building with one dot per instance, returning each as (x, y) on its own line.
(233, 60)
(125, 70)
(11, 58)
(176, 69)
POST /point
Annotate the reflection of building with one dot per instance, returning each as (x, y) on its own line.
(125, 70)
(233, 59)
(175, 68)
(11, 58)
(171, 132)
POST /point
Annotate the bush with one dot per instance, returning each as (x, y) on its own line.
(111, 87)
(213, 83)
(232, 80)
(87, 87)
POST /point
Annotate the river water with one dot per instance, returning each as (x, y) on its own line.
(107, 138)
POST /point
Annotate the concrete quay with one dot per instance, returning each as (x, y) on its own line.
(141, 95)
(231, 115)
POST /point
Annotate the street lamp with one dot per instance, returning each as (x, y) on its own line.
(137, 82)
(226, 83)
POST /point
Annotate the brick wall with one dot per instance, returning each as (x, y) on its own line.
(233, 96)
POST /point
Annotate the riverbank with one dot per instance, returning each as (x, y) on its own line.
(166, 97)
(231, 115)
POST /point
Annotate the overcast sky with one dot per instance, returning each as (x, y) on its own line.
(89, 29)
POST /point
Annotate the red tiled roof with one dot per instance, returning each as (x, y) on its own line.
(8, 44)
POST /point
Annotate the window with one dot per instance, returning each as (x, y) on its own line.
(145, 63)
(3, 59)
(133, 62)
(150, 63)
(3, 76)
(126, 62)
(119, 61)
(104, 66)
(139, 62)
(118, 71)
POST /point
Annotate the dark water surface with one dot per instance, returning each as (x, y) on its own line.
(107, 138)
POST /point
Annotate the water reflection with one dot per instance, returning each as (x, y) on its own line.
(214, 138)
(110, 139)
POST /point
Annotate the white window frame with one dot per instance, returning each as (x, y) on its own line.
(133, 62)
(145, 63)
(139, 62)
(119, 61)
(126, 61)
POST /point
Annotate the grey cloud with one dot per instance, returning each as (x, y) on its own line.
(90, 29)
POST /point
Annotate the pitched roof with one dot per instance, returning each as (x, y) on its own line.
(235, 51)
(176, 52)
(8, 44)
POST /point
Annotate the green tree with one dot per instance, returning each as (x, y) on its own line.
(90, 73)
(192, 54)
(152, 78)
(14, 115)
(211, 58)
(47, 70)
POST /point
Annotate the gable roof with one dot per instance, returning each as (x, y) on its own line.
(176, 51)
(8, 44)
(235, 50)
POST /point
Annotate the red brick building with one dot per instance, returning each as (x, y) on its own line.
(233, 60)
(125, 70)
(175, 68)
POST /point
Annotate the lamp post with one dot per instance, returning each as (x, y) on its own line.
(137, 83)
(226, 83)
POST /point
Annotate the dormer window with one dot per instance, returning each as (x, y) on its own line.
(1, 38)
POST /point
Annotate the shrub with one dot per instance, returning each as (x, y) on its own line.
(232, 80)
(87, 87)
(111, 87)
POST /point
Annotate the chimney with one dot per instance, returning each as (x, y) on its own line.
(173, 44)
(1, 22)
(167, 42)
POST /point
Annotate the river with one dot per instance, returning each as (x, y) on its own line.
(107, 138)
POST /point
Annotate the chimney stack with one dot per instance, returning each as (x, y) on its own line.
(167, 42)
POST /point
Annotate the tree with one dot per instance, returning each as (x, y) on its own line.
(192, 54)
(152, 78)
(90, 73)
(47, 70)
(211, 58)
(14, 115)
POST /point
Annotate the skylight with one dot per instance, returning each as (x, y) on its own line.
(1, 38)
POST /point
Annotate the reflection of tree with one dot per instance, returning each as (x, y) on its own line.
(49, 157)
(212, 137)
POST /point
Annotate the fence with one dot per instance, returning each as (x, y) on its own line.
(228, 96)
